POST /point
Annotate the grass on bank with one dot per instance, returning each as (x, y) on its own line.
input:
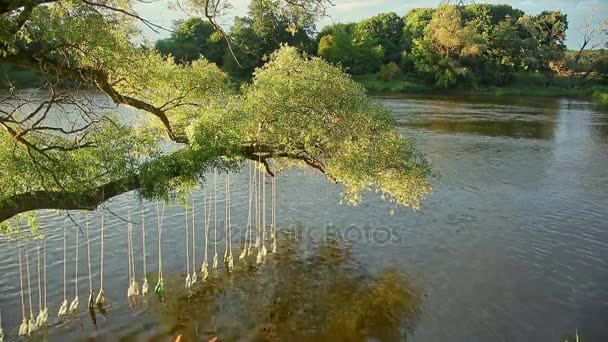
(524, 84)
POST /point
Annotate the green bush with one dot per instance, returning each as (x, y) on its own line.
(389, 71)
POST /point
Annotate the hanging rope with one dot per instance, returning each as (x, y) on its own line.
(39, 317)
(100, 296)
(63, 310)
(144, 286)
(91, 300)
(133, 286)
(274, 215)
(45, 311)
(1, 331)
(31, 324)
(75, 302)
(207, 215)
(258, 239)
(194, 276)
(188, 282)
(23, 331)
(159, 289)
(215, 257)
(247, 245)
(264, 250)
(228, 259)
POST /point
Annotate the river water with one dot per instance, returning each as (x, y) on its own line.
(512, 245)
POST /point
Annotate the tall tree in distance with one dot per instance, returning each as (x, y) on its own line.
(193, 38)
(546, 41)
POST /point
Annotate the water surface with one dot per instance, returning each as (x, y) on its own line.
(511, 245)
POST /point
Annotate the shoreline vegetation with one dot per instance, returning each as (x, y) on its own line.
(526, 85)
(475, 49)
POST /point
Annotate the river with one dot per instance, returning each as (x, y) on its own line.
(512, 245)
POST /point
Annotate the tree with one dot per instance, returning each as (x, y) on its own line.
(66, 153)
(358, 54)
(414, 23)
(386, 29)
(585, 61)
(264, 30)
(191, 39)
(445, 44)
(545, 43)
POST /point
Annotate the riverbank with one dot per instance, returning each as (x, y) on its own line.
(522, 85)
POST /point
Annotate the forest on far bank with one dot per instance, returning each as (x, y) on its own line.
(462, 47)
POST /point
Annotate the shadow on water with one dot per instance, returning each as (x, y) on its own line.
(319, 294)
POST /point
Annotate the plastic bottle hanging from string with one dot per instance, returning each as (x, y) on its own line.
(258, 235)
(23, 331)
(91, 300)
(247, 245)
(264, 236)
(159, 289)
(74, 304)
(187, 240)
(45, 310)
(63, 309)
(133, 289)
(215, 256)
(207, 215)
(1, 331)
(144, 286)
(31, 323)
(40, 320)
(100, 300)
(194, 277)
(273, 221)
(228, 259)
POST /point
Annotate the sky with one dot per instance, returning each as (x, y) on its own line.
(356, 10)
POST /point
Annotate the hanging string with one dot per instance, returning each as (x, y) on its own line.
(31, 324)
(264, 250)
(144, 286)
(228, 259)
(100, 296)
(39, 317)
(129, 254)
(45, 310)
(75, 302)
(64, 305)
(23, 331)
(274, 214)
(91, 300)
(159, 289)
(259, 242)
(194, 277)
(188, 282)
(133, 287)
(207, 215)
(215, 257)
(247, 244)
(1, 331)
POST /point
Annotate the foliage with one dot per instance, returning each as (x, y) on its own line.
(456, 46)
(357, 53)
(354, 156)
(386, 29)
(389, 71)
(66, 152)
(191, 39)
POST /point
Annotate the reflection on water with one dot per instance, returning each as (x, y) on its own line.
(299, 295)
